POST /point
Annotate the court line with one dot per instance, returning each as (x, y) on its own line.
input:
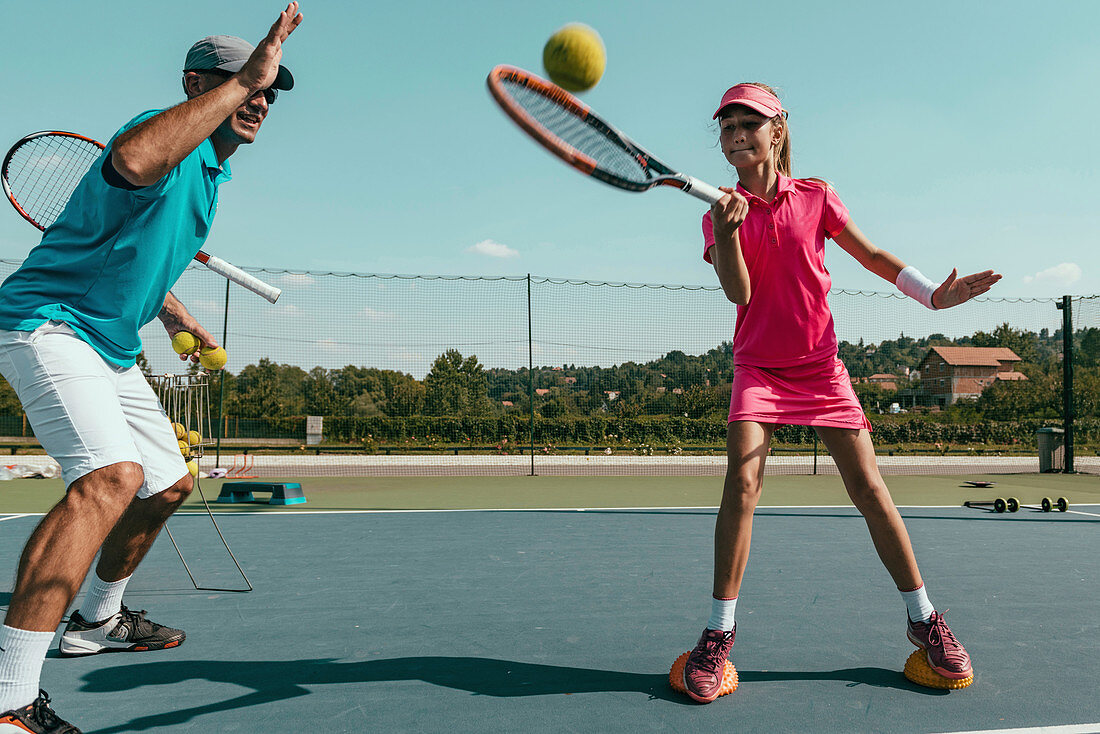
(1066, 729)
(566, 509)
(230, 513)
(540, 509)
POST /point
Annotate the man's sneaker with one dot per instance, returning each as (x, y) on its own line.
(707, 663)
(37, 718)
(945, 655)
(126, 631)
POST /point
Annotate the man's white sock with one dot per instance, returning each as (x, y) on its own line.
(104, 599)
(21, 655)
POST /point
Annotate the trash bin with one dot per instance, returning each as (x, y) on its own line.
(1052, 449)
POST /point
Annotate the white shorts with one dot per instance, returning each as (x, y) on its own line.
(86, 412)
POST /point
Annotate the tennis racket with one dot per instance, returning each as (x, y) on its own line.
(41, 171)
(569, 129)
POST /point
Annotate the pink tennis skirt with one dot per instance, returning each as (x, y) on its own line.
(816, 394)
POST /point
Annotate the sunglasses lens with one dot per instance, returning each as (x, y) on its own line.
(270, 95)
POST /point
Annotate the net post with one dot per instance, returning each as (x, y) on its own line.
(815, 453)
(531, 373)
(1066, 307)
(221, 381)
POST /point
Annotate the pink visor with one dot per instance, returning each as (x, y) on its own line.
(753, 97)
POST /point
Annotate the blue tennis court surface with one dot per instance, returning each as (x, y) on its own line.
(568, 621)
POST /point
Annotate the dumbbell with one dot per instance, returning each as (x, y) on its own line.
(999, 505)
(1061, 504)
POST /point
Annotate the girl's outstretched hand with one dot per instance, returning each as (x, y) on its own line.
(954, 291)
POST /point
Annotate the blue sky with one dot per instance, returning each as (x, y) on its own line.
(956, 133)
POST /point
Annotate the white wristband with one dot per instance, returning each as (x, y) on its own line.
(912, 283)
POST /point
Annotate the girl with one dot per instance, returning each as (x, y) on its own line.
(766, 240)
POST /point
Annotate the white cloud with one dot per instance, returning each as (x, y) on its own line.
(1064, 274)
(492, 249)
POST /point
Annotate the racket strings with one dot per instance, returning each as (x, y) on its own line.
(43, 172)
(579, 134)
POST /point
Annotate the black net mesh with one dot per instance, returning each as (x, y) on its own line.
(372, 375)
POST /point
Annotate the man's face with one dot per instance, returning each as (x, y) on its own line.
(241, 127)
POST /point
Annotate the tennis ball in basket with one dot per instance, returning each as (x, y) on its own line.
(185, 342)
(213, 358)
(180, 431)
(185, 448)
(574, 57)
(193, 467)
(194, 438)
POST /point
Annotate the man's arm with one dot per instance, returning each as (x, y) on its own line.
(146, 152)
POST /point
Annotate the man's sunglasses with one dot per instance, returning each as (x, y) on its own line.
(269, 94)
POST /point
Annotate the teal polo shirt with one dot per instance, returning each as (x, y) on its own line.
(107, 263)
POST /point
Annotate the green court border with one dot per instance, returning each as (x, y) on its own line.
(524, 492)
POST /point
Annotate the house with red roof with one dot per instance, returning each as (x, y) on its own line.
(949, 374)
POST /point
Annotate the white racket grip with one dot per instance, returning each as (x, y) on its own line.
(702, 190)
(240, 277)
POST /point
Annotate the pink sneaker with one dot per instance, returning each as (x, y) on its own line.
(945, 655)
(706, 664)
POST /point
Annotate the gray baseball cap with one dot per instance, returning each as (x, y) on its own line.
(229, 53)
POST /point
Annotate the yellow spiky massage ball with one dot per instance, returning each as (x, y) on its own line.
(574, 57)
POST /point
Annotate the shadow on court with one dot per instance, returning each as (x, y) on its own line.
(275, 680)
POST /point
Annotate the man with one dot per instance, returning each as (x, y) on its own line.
(69, 320)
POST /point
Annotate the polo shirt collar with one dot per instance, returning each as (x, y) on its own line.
(210, 161)
(785, 186)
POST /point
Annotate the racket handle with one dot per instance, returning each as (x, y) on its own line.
(238, 276)
(702, 190)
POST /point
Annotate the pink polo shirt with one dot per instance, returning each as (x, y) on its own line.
(787, 319)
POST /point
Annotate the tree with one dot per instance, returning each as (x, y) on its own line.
(407, 398)
(9, 401)
(319, 392)
(1089, 351)
(1039, 396)
(456, 386)
(1024, 343)
(698, 401)
(268, 390)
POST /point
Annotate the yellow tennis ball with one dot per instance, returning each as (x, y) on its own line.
(213, 358)
(574, 57)
(193, 467)
(194, 438)
(185, 342)
(185, 448)
(180, 431)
